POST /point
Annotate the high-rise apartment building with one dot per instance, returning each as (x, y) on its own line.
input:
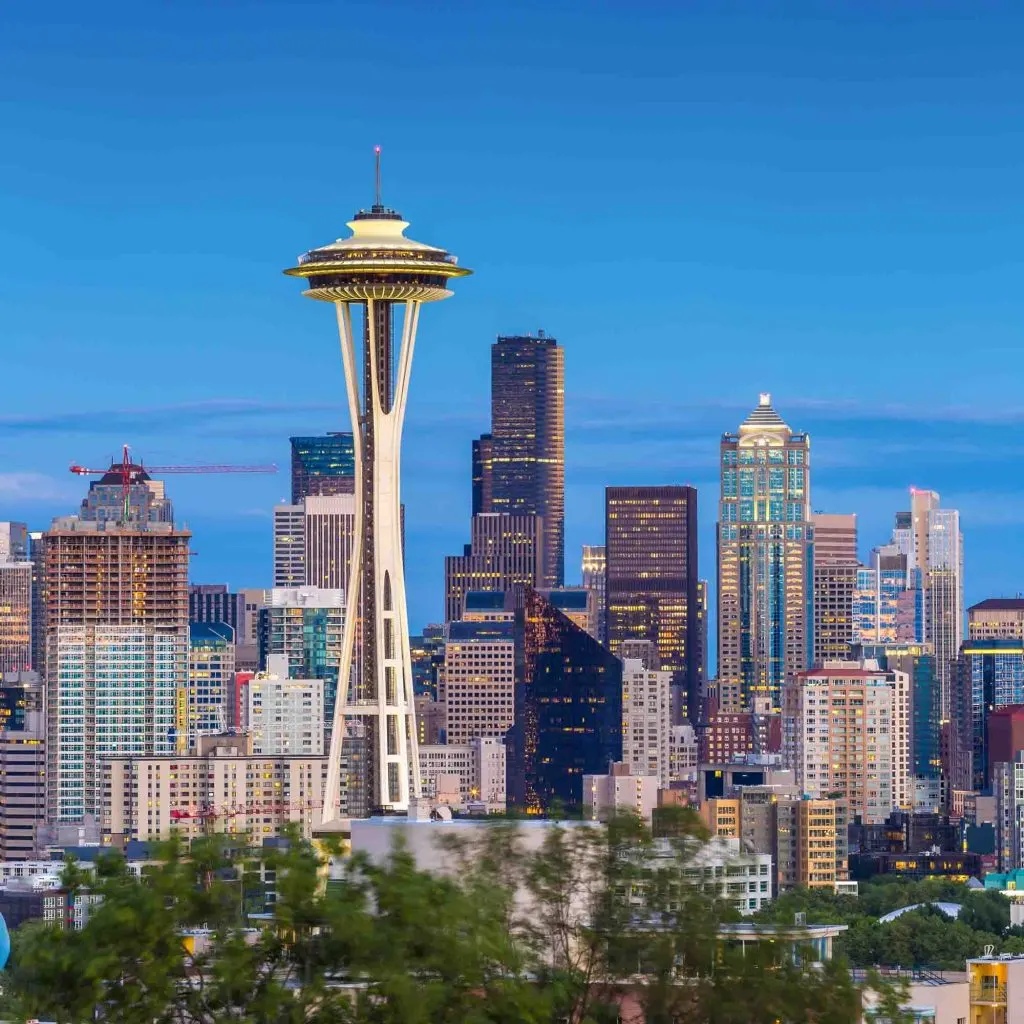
(848, 733)
(646, 720)
(988, 675)
(117, 644)
(652, 581)
(930, 537)
(306, 625)
(568, 709)
(504, 550)
(479, 680)
(203, 707)
(213, 602)
(289, 546)
(765, 558)
(483, 474)
(997, 618)
(146, 500)
(285, 716)
(36, 544)
(323, 465)
(835, 585)
(527, 445)
(595, 578)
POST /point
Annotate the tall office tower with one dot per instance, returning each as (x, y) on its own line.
(528, 439)
(595, 579)
(329, 540)
(15, 615)
(323, 465)
(285, 716)
(567, 709)
(930, 537)
(997, 618)
(765, 558)
(36, 544)
(213, 602)
(504, 550)
(479, 679)
(203, 707)
(835, 585)
(146, 500)
(1008, 790)
(117, 643)
(646, 720)
(849, 734)
(702, 635)
(254, 599)
(483, 480)
(918, 662)
(289, 546)
(652, 582)
(887, 604)
(22, 766)
(988, 675)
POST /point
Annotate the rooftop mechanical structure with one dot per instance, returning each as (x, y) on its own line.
(377, 279)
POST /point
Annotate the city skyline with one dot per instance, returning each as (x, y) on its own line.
(779, 253)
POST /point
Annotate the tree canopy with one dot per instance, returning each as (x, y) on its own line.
(594, 924)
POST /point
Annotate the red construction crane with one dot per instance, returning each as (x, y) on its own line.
(128, 473)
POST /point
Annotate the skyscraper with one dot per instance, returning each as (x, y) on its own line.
(652, 581)
(765, 558)
(528, 439)
(996, 618)
(483, 480)
(314, 542)
(835, 585)
(383, 278)
(568, 708)
(16, 573)
(323, 465)
(887, 606)
(117, 642)
(595, 579)
(930, 537)
(479, 666)
(504, 550)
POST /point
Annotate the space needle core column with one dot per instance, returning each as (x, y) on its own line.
(377, 279)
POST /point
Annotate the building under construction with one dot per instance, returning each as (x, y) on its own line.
(117, 638)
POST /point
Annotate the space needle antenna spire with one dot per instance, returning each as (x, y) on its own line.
(376, 155)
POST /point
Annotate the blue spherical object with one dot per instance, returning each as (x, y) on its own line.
(5, 943)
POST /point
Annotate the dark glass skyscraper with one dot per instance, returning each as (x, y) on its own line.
(528, 439)
(483, 480)
(213, 602)
(652, 582)
(323, 465)
(568, 708)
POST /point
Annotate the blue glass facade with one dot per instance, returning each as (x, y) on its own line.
(989, 675)
(323, 465)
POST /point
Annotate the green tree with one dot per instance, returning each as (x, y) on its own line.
(594, 922)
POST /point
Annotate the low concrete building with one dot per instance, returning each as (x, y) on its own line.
(477, 769)
(620, 790)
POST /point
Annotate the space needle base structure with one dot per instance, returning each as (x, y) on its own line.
(377, 279)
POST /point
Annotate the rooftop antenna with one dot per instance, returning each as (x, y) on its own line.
(376, 153)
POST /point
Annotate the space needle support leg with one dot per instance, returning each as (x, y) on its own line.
(332, 792)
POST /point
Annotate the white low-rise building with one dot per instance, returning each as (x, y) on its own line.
(465, 775)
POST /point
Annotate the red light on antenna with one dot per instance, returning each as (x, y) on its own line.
(376, 150)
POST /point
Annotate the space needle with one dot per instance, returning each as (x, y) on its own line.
(377, 279)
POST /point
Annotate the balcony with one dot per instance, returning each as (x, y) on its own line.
(988, 995)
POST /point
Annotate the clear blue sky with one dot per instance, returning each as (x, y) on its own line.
(700, 200)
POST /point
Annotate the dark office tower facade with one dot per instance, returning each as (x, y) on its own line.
(323, 465)
(528, 439)
(213, 602)
(483, 480)
(653, 590)
(835, 578)
(568, 708)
